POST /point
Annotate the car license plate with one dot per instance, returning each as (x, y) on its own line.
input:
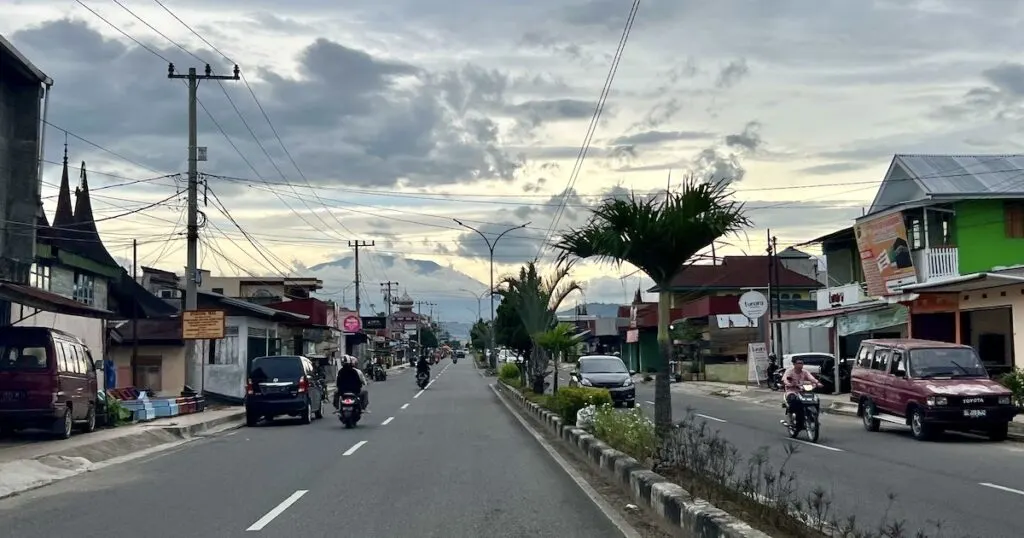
(975, 413)
(12, 396)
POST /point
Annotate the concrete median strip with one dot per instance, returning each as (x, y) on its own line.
(59, 461)
(665, 498)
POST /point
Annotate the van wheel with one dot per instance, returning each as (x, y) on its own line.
(62, 427)
(867, 415)
(307, 414)
(90, 421)
(251, 419)
(918, 427)
(1000, 432)
(319, 413)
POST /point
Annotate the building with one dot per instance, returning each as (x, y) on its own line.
(24, 91)
(259, 289)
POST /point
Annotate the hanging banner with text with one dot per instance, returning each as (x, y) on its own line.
(757, 362)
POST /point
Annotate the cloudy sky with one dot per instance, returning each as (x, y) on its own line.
(389, 118)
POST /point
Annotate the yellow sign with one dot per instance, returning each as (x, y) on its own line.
(202, 324)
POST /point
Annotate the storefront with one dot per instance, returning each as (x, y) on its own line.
(848, 326)
(983, 310)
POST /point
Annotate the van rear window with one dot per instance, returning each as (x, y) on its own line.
(284, 368)
(15, 358)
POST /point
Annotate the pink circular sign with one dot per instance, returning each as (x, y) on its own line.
(351, 324)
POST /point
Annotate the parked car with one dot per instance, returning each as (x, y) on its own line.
(812, 361)
(606, 372)
(47, 380)
(282, 385)
(930, 386)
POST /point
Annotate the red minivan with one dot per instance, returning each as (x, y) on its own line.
(47, 380)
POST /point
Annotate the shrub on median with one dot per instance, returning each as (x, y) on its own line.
(570, 400)
(509, 372)
(627, 431)
(1015, 382)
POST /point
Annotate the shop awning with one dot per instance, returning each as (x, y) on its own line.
(50, 302)
(971, 282)
(851, 319)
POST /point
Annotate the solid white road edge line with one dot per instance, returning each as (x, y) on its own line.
(278, 510)
(1001, 488)
(816, 445)
(709, 417)
(609, 512)
(418, 394)
(388, 421)
(352, 450)
(405, 406)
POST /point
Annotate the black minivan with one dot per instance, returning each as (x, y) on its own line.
(283, 385)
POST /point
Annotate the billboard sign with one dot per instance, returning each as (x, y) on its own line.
(885, 254)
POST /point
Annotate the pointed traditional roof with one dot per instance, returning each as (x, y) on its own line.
(63, 217)
(43, 229)
(85, 238)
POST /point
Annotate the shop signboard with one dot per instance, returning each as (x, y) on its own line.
(885, 254)
(839, 296)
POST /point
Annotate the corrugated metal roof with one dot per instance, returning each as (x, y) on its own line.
(966, 174)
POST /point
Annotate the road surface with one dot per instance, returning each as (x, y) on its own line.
(448, 462)
(974, 486)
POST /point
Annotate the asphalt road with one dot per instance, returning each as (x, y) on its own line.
(973, 486)
(447, 462)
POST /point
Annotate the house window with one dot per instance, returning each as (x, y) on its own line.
(85, 289)
(915, 233)
(1013, 215)
(225, 351)
(39, 276)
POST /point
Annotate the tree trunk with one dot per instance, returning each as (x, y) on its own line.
(662, 388)
(554, 382)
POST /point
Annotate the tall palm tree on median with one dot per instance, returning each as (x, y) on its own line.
(658, 235)
(536, 300)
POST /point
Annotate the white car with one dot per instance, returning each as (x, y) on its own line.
(812, 361)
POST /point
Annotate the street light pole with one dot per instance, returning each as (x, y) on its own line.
(490, 247)
(478, 297)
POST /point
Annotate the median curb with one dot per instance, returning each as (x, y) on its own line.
(667, 499)
(22, 475)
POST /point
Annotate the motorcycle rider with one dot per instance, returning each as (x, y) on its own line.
(792, 382)
(351, 380)
(423, 366)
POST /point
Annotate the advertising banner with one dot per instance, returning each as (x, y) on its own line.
(885, 254)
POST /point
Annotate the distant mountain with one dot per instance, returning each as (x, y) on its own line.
(601, 310)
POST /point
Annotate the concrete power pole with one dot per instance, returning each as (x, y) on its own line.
(194, 371)
(357, 245)
(386, 288)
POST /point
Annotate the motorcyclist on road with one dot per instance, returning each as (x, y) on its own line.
(350, 380)
(423, 365)
(792, 382)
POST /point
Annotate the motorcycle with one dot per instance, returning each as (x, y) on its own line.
(350, 410)
(421, 379)
(812, 408)
(775, 379)
(378, 373)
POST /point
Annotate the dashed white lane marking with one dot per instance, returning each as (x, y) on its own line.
(278, 510)
(1002, 488)
(709, 417)
(648, 402)
(352, 450)
(816, 445)
(404, 406)
(388, 421)
(418, 394)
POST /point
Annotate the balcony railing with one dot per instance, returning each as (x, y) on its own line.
(937, 262)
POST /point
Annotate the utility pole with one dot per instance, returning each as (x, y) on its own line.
(135, 314)
(419, 325)
(386, 288)
(357, 245)
(194, 371)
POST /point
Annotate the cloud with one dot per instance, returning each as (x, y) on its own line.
(1001, 98)
(749, 139)
(832, 168)
(659, 137)
(732, 74)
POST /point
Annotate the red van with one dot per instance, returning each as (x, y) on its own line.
(930, 386)
(47, 380)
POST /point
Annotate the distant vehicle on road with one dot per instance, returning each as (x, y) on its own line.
(606, 372)
(282, 385)
(460, 354)
(47, 380)
(930, 386)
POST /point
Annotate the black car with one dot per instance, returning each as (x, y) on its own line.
(606, 372)
(283, 385)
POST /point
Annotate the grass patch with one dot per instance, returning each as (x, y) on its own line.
(728, 372)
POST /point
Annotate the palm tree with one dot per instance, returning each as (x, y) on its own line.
(536, 300)
(658, 235)
(559, 341)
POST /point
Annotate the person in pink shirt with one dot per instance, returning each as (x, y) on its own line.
(792, 382)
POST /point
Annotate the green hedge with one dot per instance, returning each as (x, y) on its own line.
(508, 372)
(570, 400)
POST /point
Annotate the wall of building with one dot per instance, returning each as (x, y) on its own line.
(806, 340)
(979, 233)
(172, 366)
(1007, 296)
(20, 108)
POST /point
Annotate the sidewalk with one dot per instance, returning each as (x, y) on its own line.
(32, 462)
